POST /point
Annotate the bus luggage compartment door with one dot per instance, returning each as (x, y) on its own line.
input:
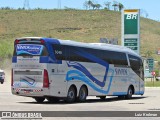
(28, 78)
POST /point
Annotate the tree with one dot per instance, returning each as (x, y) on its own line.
(98, 6)
(85, 4)
(93, 5)
(148, 54)
(90, 4)
(107, 4)
(120, 6)
(144, 13)
(115, 5)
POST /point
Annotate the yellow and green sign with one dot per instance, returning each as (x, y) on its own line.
(131, 29)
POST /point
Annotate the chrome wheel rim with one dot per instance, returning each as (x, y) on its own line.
(82, 94)
(71, 94)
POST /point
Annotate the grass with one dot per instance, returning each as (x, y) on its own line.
(152, 84)
(78, 25)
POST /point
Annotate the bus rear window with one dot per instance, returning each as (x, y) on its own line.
(30, 50)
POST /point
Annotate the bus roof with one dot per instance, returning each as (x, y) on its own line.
(102, 46)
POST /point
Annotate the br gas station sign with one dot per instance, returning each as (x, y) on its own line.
(131, 29)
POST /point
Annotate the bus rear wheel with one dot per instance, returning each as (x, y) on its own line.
(71, 96)
(39, 99)
(82, 94)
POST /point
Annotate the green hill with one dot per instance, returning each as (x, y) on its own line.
(79, 25)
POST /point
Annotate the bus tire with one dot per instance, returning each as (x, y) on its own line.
(129, 93)
(71, 96)
(1, 82)
(39, 99)
(52, 99)
(82, 94)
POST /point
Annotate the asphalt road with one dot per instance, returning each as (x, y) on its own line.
(150, 101)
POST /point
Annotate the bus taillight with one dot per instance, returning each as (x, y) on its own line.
(42, 41)
(45, 79)
(12, 78)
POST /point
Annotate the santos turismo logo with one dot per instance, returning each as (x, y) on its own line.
(28, 47)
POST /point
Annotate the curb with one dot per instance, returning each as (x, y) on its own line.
(152, 88)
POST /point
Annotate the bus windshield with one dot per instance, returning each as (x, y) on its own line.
(30, 50)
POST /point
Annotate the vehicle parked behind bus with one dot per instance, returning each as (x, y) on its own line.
(52, 69)
(2, 76)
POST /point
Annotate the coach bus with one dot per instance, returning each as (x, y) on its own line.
(53, 69)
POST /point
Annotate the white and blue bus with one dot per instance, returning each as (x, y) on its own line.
(53, 69)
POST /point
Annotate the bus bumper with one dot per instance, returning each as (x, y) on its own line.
(30, 92)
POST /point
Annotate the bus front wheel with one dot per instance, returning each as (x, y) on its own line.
(129, 93)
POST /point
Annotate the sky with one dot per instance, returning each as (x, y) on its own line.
(151, 7)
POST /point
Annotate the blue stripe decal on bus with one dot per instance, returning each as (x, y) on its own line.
(44, 59)
(119, 93)
(82, 77)
(139, 92)
(125, 93)
(14, 59)
(85, 71)
(32, 83)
